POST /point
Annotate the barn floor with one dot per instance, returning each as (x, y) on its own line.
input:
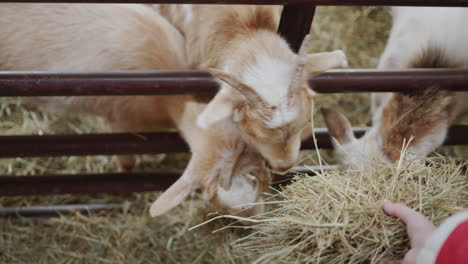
(132, 236)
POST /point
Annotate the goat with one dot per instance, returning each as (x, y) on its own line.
(76, 38)
(420, 38)
(264, 92)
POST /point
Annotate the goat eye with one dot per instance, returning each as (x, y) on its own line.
(252, 179)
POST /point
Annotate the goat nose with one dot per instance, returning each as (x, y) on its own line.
(282, 165)
(282, 168)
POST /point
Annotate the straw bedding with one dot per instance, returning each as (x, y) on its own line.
(133, 237)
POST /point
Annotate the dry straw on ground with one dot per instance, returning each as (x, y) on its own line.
(337, 217)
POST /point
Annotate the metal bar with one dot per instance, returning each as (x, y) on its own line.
(90, 144)
(56, 210)
(39, 214)
(286, 178)
(461, 3)
(143, 143)
(199, 82)
(324, 140)
(113, 143)
(117, 183)
(27, 185)
(106, 83)
(101, 183)
(457, 135)
(295, 23)
(363, 81)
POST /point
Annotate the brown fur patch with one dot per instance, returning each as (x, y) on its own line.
(417, 113)
(413, 115)
(337, 124)
(243, 20)
(203, 98)
(222, 26)
(433, 57)
(261, 18)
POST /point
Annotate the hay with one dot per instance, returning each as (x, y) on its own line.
(128, 237)
(132, 236)
(336, 217)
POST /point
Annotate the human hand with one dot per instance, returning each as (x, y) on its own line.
(417, 227)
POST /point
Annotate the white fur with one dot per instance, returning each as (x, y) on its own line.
(378, 100)
(363, 152)
(343, 59)
(157, 8)
(427, 144)
(270, 77)
(283, 115)
(216, 111)
(377, 114)
(187, 13)
(241, 196)
(416, 27)
(360, 152)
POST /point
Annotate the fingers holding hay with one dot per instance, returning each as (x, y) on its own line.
(337, 216)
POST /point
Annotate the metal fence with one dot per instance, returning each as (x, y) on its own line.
(295, 23)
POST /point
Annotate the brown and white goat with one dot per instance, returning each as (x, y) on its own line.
(420, 38)
(74, 38)
(264, 92)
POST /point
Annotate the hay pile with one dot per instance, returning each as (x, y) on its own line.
(336, 217)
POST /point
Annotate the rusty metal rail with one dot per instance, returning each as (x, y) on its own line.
(200, 82)
(459, 3)
(57, 210)
(117, 183)
(16, 83)
(90, 144)
(143, 143)
(363, 81)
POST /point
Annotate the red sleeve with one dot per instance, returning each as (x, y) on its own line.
(455, 248)
(448, 244)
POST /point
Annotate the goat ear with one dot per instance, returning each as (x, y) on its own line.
(310, 93)
(220, 108)
(320, 62)
(229, 166)
(338, 125)
(177, 193)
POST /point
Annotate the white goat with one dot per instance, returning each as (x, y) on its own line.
(64, 37)
(420, 38)
(265, 94)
